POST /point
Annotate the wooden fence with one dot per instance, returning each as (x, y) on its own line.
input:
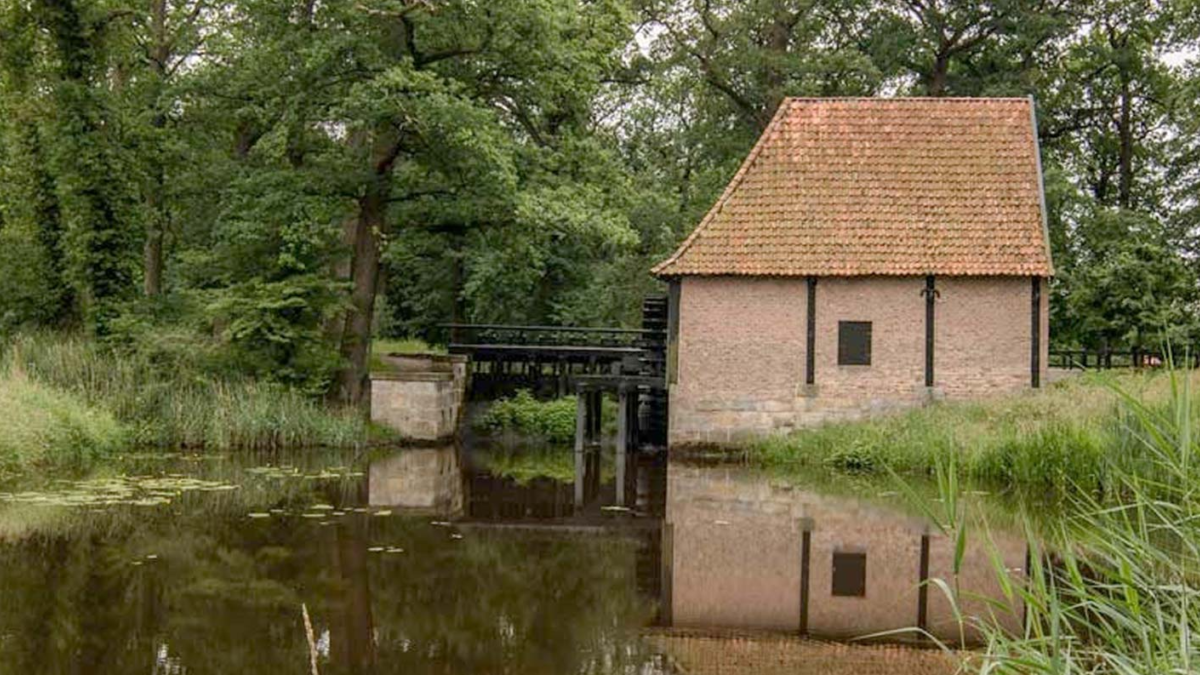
(1104, 359)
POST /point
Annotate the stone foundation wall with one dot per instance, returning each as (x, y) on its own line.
(742, 350)
(422, 397)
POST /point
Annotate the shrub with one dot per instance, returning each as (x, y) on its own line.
(523, 414)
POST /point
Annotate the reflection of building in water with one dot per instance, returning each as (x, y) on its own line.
(420, 479)
(742, 553)
(775, 654)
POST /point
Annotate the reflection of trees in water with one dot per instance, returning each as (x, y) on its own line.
(223, 594)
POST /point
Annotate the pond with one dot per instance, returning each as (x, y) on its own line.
(439, 560)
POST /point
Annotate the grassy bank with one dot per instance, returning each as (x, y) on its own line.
(1113, 587)
(45, 426)
(1071, 433)
(170, 404)
(383, 347)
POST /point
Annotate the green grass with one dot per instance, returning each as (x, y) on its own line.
(1067, 434)
(384, 346)
(557, 463)
(169, 404)
(1114, 587)
(44, 426)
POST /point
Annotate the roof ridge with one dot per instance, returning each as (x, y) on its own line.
(923, 99)
(763, 139)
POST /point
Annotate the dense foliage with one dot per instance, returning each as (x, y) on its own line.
(271, 183)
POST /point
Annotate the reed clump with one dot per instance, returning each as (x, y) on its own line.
(172, 403)
(1113, 587)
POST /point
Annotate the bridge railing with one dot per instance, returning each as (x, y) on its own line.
(465, 336)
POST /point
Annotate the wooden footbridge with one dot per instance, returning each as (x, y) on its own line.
(628, 362)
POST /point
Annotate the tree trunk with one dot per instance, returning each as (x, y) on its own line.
(1125, 133)
(364, 275)
(778, 39)
(354, 648)
(152, 252)
(935, 85)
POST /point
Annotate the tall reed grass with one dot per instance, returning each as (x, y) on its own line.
(42, 425)
(173, 404)
(1114, 587)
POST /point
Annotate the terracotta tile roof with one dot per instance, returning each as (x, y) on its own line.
(857, 186)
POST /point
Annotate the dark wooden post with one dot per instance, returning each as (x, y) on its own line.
(810, 344)
(622, 440)
(581, 410)
(805, 564)
(923, 587)
(930, 294)
(595, 425)
(1035, 357)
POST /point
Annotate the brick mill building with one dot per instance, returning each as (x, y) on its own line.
(869, 254)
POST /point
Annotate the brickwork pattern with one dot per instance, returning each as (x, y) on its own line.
(742, 345)
(725, 577)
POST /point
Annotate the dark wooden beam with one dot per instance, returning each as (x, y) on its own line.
(810, 356)
(930, 296)
(1035, 356)
(923, 587)
(805, 564)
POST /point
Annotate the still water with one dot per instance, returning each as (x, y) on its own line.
(439, 560)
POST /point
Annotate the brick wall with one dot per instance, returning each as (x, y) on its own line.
(742, 349)
(982, 335)
(741, 357)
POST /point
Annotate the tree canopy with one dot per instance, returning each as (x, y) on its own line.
(282, 180)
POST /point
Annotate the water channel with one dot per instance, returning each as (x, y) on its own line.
(445, 560)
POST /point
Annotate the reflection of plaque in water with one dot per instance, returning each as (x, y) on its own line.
(420, 479)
